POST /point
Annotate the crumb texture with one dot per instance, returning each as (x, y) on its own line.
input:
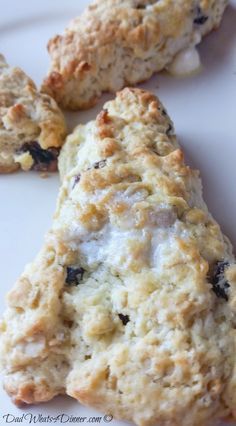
(130, 305)
(116, 43)
(32, 128)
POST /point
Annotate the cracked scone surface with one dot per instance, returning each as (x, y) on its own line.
(116, 43)
(32, 128)
(130, 305)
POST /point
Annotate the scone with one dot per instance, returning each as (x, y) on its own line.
(116, 43)
(32, 128)
(130, 305)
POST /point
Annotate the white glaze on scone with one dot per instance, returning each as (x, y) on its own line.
(31, 124)
(116, 43)
(123, 309)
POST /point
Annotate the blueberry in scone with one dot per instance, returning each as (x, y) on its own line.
(130, 305)
(116, 43)
(32, 127)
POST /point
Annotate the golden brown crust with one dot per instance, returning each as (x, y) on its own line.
(9, 168)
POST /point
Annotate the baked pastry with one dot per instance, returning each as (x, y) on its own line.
(32, 128)
(116, 43)
(130, 305)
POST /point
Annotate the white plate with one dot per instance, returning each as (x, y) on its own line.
(203, 108)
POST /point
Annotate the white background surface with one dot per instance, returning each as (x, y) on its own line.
(203, 108)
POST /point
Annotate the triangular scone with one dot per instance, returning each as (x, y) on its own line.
(119, 42)
(32, 128)
(130, 305)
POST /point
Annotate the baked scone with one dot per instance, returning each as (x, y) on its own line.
(116, 43)
(32, 127)
(130, 305)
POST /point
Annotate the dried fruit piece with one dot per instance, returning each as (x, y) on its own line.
(74, 275)
(43, 159)
(76, 180)
(124, 318)
(219, 283)
(99, 164)
(200, 18)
